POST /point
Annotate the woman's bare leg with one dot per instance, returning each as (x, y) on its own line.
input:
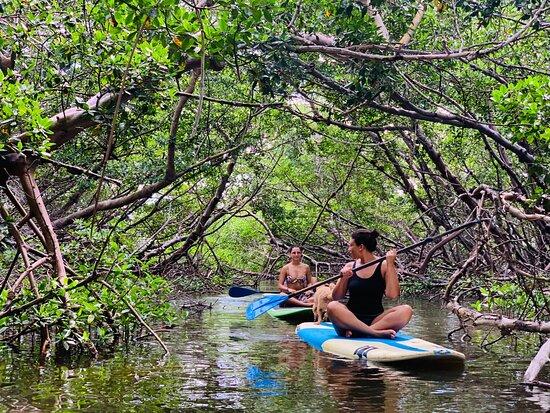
(294, 302)
(394, 318)
(342, 317)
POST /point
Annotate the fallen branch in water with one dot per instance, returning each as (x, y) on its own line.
(538, 384)
(496, 320)
(165, 329)
(536, 365)
(196, 307)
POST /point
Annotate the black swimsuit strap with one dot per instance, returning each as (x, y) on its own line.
(376, 269)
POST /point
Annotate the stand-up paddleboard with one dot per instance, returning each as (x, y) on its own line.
(295, 315)
(402, 349)
(292, 314)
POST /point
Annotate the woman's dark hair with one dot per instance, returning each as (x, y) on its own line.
(295, 246)
(366, 237)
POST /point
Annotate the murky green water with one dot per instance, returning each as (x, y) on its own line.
(220, 361)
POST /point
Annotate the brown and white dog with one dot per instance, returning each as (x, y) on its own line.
(321, 298)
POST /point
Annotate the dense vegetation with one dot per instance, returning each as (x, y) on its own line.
(155, 145)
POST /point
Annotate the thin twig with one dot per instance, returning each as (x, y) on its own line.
(137, 315)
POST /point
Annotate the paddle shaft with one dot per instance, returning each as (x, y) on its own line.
(243, 291)
(378, 260)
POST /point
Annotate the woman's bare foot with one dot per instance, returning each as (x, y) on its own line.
(374, 333)
(384, 333)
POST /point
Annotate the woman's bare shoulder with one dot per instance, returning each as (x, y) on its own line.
(284, 268)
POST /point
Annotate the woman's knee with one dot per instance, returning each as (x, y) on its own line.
(406, 310)
(333, 307)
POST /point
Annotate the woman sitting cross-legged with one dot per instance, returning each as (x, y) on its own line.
(295, 276)
(364, 314)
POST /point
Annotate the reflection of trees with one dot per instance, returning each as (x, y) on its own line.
(116, 384)
(358, 387)
(294, 354)
(290, 362)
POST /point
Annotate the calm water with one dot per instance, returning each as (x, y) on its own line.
(220, 361)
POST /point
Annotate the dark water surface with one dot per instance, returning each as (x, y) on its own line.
(221, 361)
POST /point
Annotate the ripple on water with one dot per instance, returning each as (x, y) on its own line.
(221, 361)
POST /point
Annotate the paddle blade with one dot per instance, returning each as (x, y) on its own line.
(237, 291)
(264, 304)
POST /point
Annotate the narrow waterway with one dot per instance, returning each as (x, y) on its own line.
(221, 361)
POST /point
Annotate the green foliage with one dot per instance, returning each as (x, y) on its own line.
(509, 298)
(67, 52)
(350, 22)
(238, 244)
(525, 107)
(95, 313)
(486, 10)
(21, 115)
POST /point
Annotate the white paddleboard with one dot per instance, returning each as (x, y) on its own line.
(403, 348)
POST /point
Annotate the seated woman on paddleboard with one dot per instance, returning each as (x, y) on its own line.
(364, 314)
(293, 277)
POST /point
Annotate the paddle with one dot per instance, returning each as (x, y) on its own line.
(264, 304)
(242, 291)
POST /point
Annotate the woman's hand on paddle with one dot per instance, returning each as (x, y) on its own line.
(390, 256)
(346, 273)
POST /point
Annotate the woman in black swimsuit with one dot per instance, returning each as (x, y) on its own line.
(364, 314)
(293, 277)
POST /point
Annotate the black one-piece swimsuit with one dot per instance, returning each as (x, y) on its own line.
(365, 298)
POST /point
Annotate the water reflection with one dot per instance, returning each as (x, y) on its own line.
(359, 388)
(220, 361)
(268, 383)
(541, 397)
(293, 354)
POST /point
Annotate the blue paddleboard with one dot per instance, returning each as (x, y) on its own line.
(403, 348)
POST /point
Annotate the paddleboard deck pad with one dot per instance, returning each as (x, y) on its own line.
(292, 314)
(402, 349)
